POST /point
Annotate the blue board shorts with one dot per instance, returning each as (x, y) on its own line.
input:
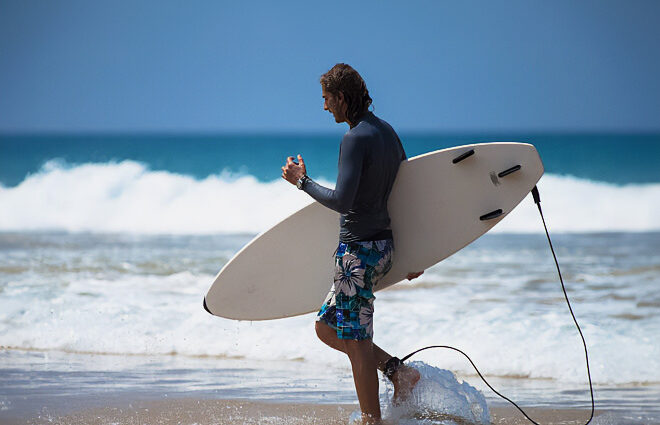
(349, 306)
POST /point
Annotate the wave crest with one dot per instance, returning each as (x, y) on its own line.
(128, 197)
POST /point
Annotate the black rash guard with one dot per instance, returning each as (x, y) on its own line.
(369, 157)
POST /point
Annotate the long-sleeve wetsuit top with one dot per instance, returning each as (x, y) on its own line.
(369, 157)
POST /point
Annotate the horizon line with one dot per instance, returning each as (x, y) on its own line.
(320, 132)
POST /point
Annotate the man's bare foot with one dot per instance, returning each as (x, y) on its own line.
(404, 380)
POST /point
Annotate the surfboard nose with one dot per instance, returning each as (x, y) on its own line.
(206, 307)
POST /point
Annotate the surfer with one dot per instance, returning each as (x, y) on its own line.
(369, 158)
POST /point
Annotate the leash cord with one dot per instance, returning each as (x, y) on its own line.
(537, 201)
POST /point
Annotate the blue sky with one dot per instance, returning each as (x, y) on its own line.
(254, 66)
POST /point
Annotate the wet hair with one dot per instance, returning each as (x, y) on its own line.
(342, 78)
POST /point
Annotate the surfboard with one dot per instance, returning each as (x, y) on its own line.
(440, 202)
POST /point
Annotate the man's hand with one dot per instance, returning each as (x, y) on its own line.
(414, 275)
(292, 172)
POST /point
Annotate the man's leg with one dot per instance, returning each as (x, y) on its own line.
(329, 337)
(365, 377)
(404, 379)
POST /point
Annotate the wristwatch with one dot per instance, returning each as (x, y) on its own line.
(301, 182)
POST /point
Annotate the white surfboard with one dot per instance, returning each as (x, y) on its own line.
(440, 202)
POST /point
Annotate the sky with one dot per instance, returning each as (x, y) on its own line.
(235, 66)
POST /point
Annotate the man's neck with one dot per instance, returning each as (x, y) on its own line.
(357, 121)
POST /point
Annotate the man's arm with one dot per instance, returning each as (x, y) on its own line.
(340, 198)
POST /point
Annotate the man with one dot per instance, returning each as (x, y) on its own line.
(369, 158)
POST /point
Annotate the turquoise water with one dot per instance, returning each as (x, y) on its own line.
(613, 158)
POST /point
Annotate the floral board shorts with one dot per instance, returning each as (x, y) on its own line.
(349, 306)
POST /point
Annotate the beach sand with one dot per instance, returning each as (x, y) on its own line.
(188, 411)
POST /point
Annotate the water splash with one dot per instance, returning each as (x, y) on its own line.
(437, 399)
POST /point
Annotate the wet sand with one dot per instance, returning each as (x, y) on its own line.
(190, 411)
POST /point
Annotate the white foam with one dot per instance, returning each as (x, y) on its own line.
(152, 314)
(128, 197)
(571, 204)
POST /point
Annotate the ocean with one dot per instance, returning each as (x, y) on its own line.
(108, 244)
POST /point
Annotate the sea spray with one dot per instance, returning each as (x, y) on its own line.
(438, 398)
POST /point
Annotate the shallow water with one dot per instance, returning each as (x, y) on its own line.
(499, 300)
(86, 319)
(54, 383)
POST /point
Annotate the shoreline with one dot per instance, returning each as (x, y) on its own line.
(201, 411)
(63, 388)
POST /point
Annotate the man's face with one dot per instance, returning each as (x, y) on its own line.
(334, 104)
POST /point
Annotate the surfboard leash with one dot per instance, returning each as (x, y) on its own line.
(537, 201)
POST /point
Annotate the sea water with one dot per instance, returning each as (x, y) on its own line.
(109, 243)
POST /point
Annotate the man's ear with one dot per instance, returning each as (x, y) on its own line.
(340, 96)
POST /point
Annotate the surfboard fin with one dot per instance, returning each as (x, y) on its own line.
(462, 156)
(509, 171)
(491, 215)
